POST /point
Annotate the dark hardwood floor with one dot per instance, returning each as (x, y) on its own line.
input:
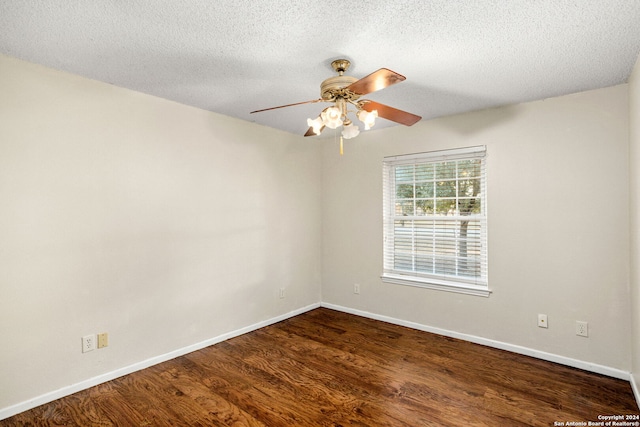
(327, 368)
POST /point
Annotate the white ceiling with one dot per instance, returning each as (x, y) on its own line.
(233, 57)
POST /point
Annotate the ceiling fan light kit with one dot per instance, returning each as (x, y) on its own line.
(344, 91)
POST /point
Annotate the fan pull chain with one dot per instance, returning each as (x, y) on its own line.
(341, 148)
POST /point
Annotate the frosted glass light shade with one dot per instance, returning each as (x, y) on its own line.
(331, 117)
(350, 131)
(315, 125)
(368, 118)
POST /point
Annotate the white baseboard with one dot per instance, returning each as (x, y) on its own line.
(74, 388)
(91, 382)
(636, 388)
(580, 364)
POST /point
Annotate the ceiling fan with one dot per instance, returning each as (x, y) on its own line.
(345, 91)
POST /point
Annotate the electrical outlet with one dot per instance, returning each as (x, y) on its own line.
(582, 329)
(281, 293)
(88, 343)
(542, 321)
(356, 288)
(103, 340)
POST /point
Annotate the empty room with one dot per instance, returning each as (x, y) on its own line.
(320, 214)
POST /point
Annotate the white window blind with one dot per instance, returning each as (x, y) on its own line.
(435, 222)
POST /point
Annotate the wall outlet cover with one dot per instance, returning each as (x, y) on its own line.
(88, 343)
(582, 329)
(542, 321)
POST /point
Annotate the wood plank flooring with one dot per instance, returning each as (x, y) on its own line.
(327, 368)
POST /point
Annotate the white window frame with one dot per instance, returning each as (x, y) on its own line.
(477, 285)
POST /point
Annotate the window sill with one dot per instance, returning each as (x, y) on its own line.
(440, 285)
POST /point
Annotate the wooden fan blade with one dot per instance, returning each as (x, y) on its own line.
(310, 132)
(376, 81)
(288, 105)
(391, 113)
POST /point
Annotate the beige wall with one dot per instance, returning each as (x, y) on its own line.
(166, 226)
(634, 202)
(558, 226)
(161, 224)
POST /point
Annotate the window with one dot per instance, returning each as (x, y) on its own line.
(435, 220)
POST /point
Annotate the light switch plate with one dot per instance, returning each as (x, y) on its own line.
(103, 340)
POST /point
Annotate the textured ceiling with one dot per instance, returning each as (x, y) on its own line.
(233, 57)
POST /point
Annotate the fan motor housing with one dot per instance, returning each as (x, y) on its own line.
(334, 87)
